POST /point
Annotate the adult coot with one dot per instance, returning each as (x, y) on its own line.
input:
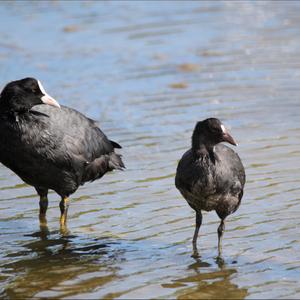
(211, 176)
(51, 146)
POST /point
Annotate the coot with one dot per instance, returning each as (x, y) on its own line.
(211, 176)
(51, 146)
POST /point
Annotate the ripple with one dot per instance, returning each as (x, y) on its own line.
(147, 73)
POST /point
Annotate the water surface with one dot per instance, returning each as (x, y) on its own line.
(147, 71)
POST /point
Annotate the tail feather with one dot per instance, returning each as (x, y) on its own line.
(115, 161)
(116, 145)
(101, 165)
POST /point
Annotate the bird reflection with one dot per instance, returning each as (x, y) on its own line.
(207, 281)
(53, 263)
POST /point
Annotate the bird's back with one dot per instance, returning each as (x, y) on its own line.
(80, 135)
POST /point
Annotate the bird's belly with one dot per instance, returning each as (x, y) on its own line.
(225, 203)
(199, 201)
(38, 172)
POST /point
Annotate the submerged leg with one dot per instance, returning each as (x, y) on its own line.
(221, 229)
(197, 227)
(43, 193)
(64, 204)
(43, 205)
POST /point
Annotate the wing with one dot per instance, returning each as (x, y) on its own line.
(188, 172)
(232, 162)
(79, 142)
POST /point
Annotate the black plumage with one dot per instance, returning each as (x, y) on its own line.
(211, 176)
(51, 147)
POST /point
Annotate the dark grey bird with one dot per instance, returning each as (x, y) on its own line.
(211, 176)
(51, 146)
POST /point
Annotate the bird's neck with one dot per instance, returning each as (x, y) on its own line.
(10, 108)
(11, 115)
(202, 149)
(201, 145)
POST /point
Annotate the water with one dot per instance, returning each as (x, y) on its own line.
(148, 71)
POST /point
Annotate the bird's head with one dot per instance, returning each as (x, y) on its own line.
(210, 132)
(22, 95)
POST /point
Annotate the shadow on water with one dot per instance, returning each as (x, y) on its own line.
(204, 281)
(64, 261)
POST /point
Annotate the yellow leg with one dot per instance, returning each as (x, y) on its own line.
(43, 208)
(64, 231)
(44, 227)
(64, 204)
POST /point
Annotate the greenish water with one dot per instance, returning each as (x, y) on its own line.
(148, 71)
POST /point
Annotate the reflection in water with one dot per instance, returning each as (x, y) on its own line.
(147, 73)
(203, 283)
(54, 259)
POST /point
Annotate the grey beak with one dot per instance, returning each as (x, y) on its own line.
(227, 137)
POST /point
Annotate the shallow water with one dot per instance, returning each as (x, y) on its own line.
(148, 71)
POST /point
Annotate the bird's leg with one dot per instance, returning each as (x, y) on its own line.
(44, 230)
(64, 204)
(43, 209)
(198, 224)
(43, 205)
(221, 229)
(43, 193)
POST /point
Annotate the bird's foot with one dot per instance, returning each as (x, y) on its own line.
(220, 261)
(195, 253)
(64, 231)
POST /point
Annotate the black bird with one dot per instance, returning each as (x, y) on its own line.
(211, 176)
(51, 146)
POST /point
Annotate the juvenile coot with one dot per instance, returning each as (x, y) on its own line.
(211, 176)
(51, 146)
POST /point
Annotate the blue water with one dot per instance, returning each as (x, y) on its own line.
(147, 71)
